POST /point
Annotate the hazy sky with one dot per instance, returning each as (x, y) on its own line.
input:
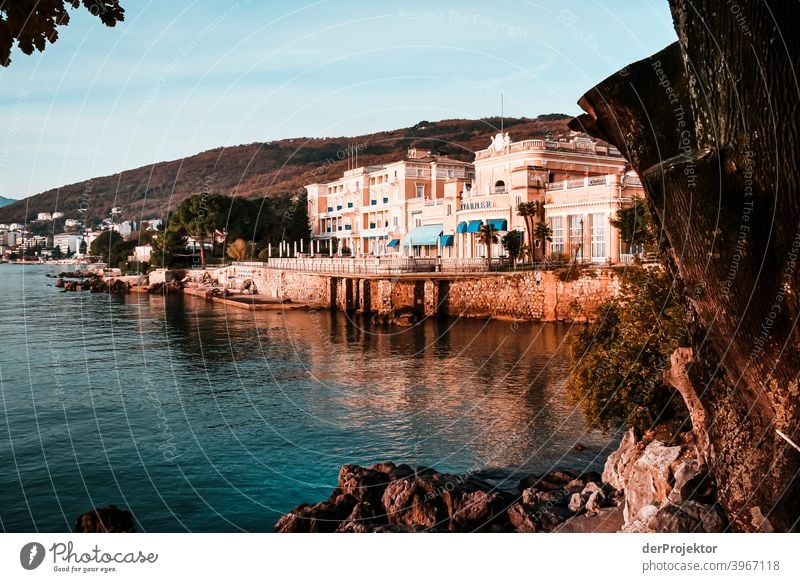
(179, 77)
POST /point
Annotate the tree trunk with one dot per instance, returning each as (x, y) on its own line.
(711, 125)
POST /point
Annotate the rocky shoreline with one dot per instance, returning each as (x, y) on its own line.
(645, 487)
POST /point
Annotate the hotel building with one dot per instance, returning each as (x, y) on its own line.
(432, 206)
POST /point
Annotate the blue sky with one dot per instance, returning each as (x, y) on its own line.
(180, 77)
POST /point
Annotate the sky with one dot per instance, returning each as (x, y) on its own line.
(180, 77)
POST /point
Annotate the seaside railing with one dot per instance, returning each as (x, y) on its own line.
(379, 265)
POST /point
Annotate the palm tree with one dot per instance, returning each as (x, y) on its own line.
(528, 211)
(542, 234)
(487, 236)
(512, 242)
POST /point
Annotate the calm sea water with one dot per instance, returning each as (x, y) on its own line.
(200, 417)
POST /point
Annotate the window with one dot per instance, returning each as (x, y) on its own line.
(499, 186)
(396, 221)
(451, 173)
(420, 190)
(417, 222)
(576, 236)
(599, 236)
(557, 226)
(449, 210)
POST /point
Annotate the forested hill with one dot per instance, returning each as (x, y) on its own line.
(261, 169)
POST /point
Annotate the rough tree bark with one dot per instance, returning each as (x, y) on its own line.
(712, 126)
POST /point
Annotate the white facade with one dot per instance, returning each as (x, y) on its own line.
(68, 243)
(142, 253)
(574, 185)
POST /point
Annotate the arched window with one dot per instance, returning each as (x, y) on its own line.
(499, 186)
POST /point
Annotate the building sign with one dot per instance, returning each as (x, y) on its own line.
(475, 205)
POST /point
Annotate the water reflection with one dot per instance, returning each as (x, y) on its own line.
(261, 407)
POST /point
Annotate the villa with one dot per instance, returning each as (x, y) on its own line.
(429, 205)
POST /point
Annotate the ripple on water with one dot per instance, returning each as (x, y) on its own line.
(258, 410)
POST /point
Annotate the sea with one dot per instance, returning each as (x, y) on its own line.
(200, 417)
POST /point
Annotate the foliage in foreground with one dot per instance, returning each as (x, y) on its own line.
(618, 361)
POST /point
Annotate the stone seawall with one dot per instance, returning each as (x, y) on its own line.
(528, 296)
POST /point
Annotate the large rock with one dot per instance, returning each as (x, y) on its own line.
(688, 517)
(363, 484)
(109, 519)
(644, 474)
(425, 499)
(323, 517)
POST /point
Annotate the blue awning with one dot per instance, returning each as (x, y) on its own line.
(474, 225)
(498, 223)
(393, 243)
(446, 240)
(424, 236)
(462, 227)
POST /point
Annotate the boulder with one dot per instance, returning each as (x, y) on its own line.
(688, 517)
(594, 502)
(322, 517)
(550, 481)
(363, 484)
(478, 509)
(521, 517)
(645, 475)
(109, 519)
(576, 503)
(415, 501)
(364, 518)
(575, 486)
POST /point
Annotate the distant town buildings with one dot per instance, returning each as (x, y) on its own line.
(431, 205)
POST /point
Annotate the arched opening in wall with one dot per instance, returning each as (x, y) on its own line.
(499, 186)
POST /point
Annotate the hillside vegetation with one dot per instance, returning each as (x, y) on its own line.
(264, 169)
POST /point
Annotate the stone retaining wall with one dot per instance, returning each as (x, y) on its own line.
(529, 295)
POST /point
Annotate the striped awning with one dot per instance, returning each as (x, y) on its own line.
(474, 225)
(393, 243)
(498, 223)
